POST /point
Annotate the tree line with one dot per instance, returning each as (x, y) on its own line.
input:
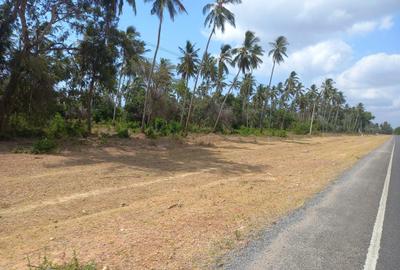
(69, 58)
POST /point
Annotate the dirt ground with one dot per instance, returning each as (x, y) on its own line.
(138, 204)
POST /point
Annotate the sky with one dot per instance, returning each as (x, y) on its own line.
(354, 42)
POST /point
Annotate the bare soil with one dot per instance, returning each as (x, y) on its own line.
(165, 204)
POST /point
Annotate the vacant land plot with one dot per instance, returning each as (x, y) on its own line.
(138, 204)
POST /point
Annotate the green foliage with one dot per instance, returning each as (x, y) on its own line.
(245, 131)
(60, 128)
(301, 128)
(71, 265)
(278, 133)
(122, 130)
(386, 128)
(44, 146)
(397, 131)
(161, 128)
(21, 127)
(76, 128)
(57, 128)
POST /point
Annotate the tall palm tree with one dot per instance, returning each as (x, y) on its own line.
(289, 91)
(173, 7)
(209, 72)
(314, 94)
(187, 68)
(246, 90)
(278, 52)
(247, 58)
(217, 16)
(224, 59)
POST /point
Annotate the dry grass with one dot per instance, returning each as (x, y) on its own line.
(131, 204)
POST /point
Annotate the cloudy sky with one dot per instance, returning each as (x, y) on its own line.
(355, 42)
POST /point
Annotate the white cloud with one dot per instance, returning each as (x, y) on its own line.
(369, 26)
(386, 23)
(309, 21)
(312, 63)
(316, 30)
(375, 81)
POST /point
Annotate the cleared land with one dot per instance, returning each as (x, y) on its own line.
(138, 204)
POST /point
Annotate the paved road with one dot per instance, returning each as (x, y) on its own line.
(354, 224)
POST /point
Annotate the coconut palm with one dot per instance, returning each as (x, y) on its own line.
(247, 58)
(224, 59)
(246, 90)
(159, 7)
(314, 95)
(218, 15)
(187, 68)
(278, 52)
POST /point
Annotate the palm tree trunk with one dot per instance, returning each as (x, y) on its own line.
(312, 119)
(116, 96)
(90, 104)
(184, 102)
(265, 102)
(197, 80)
(147, 94)
(223, 102)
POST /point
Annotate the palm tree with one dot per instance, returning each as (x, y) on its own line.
(278, 51)
(246, 90)
(187, 68)
(173, 7)
(313, 93)
(224, 59)
(289, 91)
(217, 16)
(247, 58)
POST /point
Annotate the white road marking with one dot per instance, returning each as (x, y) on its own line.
(375, 244)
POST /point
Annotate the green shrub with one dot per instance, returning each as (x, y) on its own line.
(301, 128)
(21, 127)
(123, 133)
(279, 133)
(160, 128)
(57, 127)
(246, 131)
(122, 130)
(397, 131)
(150, 133)
(76, 128)
(72, 265)
(43, 146)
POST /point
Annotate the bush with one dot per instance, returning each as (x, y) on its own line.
(43, 146)
(397, 131)
(160, 128)
(76, 128)
(122, 130)
(60, 128)
(57, 127)
(301, 128)
(72, 265)
(21, 127)
(123, 133)
(245, 131)
(279, 133)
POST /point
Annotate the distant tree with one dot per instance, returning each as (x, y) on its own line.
(159, 7)
(386, 128)
(396, 131)
(278, 52)
(217, 16)
(246, 58)
(187, 68)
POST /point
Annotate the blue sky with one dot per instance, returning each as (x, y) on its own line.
(354, 42)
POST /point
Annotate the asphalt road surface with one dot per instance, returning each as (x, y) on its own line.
(354, 224)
